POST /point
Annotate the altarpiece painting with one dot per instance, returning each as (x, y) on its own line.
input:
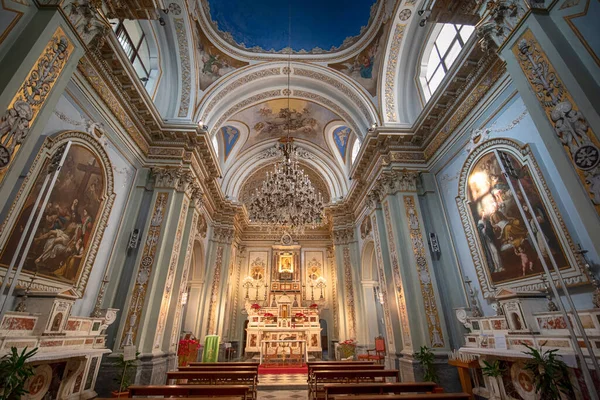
(73, 219)
(493, 211)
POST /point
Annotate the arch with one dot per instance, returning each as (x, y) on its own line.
(318, 84)
(369, 262)
(498, 237)
(83, 197)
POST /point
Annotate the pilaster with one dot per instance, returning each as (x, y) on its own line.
(560, 96)
(343, 237)
(35, 72)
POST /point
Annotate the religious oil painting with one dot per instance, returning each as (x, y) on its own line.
(230, 137)
(275, 118)
(508, 248)
(286, 263)
(63, 237)
(212, 62)
(365, 66)
(341, 135)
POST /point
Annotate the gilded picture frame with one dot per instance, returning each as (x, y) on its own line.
(508, 238)
(106, 196)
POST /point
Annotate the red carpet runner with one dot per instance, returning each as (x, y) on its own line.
(282, 370)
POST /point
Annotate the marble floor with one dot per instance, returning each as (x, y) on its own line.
(282, 386)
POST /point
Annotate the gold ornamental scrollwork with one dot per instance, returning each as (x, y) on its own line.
(571, 127)
(24, 108)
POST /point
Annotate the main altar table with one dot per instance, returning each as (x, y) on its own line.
(281, 347)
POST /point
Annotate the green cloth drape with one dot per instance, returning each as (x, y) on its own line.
(211, 349)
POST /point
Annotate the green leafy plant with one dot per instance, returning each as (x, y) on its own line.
(426, 357)
(494, 369)
(550, 374)
(123, 378)
(14, 372)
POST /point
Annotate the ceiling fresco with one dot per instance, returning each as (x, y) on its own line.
(268, 120)
(212, 62)
(366, 65)
(317, 25)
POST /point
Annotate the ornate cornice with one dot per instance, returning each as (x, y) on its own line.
(343, 235)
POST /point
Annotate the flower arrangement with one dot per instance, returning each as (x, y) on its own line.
(268, 315)
(187, 351)
(314, 307)
(348, 348)
(255, 306)
(299, 315)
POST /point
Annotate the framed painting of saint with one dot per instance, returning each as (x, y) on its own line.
(513, 225)
(72, 221)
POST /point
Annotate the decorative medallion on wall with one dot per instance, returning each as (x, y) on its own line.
(39, 383)
(230, 138)
(341, 135)
(503, 249)
(66, 242)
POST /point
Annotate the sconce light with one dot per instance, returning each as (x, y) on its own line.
(161, 21)
(434, 244)
(379, 295)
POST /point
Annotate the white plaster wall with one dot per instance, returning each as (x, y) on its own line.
(448, 170)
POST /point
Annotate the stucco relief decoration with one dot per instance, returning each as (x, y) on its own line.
(314, 269)
(202, 226)
(183, 284)
(186, 75)
(87, 20)
(211, 326)
(400, 298)
(169, 282)
(349, 293)
(499, 18)
(366, 228)
(25, 106)
(66, 242)
(144, 270)
(390, 74)
(427, 291)
(503, 249)
(333, 284)
(383, 285)
(258, 268)
(571, 127)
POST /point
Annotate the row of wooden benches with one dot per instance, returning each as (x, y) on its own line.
(326, 379)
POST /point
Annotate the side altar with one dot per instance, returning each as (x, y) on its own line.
(286, 328)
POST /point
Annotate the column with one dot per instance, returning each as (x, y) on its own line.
(419, 304)
(35, 72)
(145, 321)
(558, 87)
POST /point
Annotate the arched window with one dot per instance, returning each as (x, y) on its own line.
(443, 48)
(215, 142)
(135, 45)
(355, 150)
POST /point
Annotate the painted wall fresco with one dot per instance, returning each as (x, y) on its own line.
(341, 135)
(365, 66)
(508, 249)
(307, 120)
(230, 138)
(68, 222)
(212, 62)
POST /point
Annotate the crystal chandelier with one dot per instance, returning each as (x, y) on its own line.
(287, 199)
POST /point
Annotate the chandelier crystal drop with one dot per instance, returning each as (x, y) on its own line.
(287, 199)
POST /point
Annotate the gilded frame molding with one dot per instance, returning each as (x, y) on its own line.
(49, 147)
(574, 275)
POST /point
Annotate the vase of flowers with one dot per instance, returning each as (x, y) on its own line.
(268, 318)
(348, 349)
(314, 308)
(255, 308)
(300, 317)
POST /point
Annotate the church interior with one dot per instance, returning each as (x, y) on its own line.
(348, 200)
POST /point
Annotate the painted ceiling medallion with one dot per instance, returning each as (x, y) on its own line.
(318, 26)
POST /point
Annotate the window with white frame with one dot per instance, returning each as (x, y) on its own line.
(355, 150)
(447, 40)
(135, 45)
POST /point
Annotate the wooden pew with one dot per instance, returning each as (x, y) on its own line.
(333, 389)
(349, 376)
(249, 378)
(237, 391)
(412, 396)
(218, 364)
(219, 368)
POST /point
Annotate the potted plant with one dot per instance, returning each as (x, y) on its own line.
(550, 374)
(14, 372)
(123, 378)
(426, 357)
(493, 371)
(348, 349)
